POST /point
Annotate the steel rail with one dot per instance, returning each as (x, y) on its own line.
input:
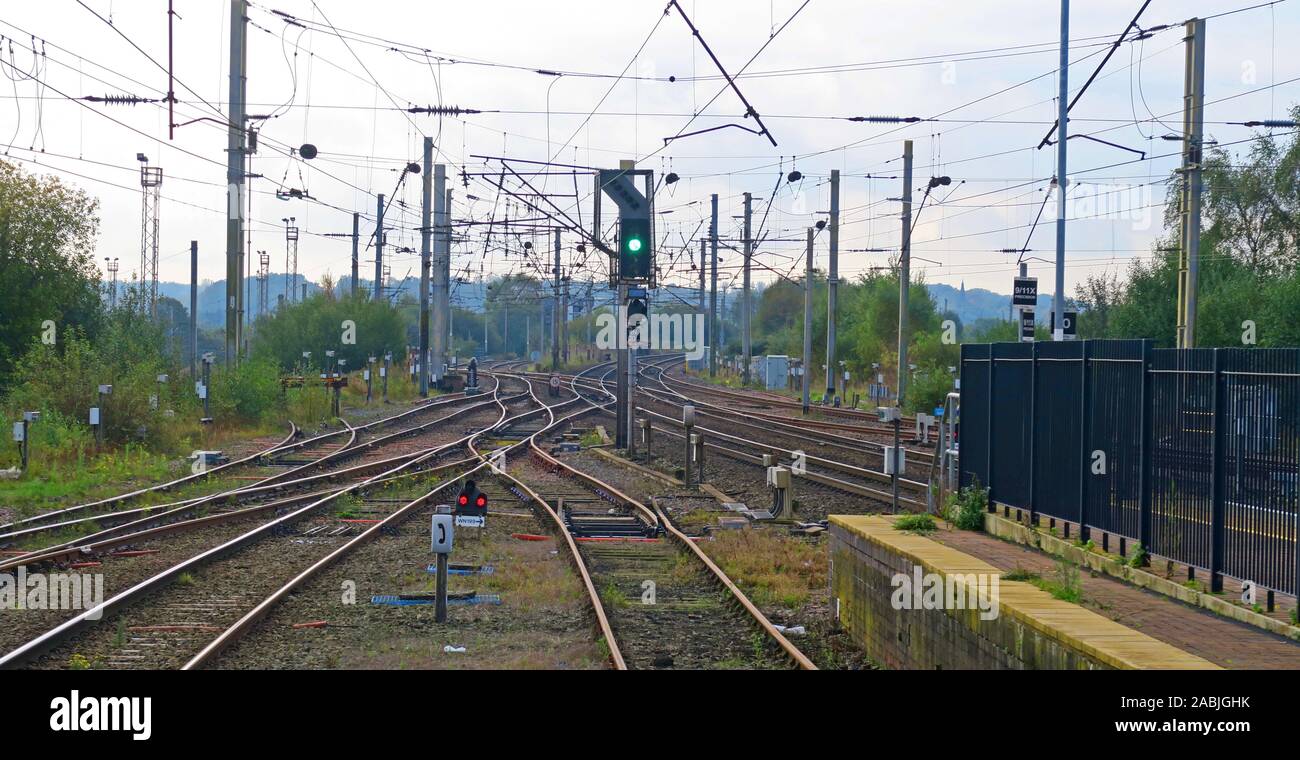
(89, 544)
(279, 449)
(659, 519)
(238, 629)
(270, 483)
(88, 617)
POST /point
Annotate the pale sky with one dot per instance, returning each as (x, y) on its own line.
(987, 67)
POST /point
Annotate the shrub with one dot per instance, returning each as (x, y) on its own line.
(965, 508)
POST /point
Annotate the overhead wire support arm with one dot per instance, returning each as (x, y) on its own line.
(1114, 46)
(1141, 153)
(740, 126)
(749, 109)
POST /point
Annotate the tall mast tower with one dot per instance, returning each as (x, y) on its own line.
(150, 189)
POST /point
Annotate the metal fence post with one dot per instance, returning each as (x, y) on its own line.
(1033, 434)
(1145, 480)
(1085, 413)
(988, 432)
(1216, 480)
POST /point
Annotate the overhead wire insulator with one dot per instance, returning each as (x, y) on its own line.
(887, 119)
(443, 110)
(119, 100)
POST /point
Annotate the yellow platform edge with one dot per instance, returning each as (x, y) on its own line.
(1083, 630)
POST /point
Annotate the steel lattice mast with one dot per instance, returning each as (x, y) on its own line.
(150, 189)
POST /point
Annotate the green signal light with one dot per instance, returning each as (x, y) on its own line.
(634, 245)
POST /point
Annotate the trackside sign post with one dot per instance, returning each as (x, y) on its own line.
(440, 542)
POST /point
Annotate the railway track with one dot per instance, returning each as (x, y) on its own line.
(756, 401)
(633, 554)
(729, 435)
(217, 551)
(323, 454)
(187, 613)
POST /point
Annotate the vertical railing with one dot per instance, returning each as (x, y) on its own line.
(1145, 442)
(1033, 434)
(1216, 478)
(1085, 451)
(988, 417)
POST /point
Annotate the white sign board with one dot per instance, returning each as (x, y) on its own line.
(443, 532)
(1247, 593)
(366, 376)
(94, 415)
(18, 432)
(203, 391)
(471, 521)
(383, 372)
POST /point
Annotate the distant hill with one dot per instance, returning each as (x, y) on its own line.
(970, 304)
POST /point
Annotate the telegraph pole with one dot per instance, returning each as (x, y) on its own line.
(713, 289)
(426, 212)
(806, 376)
(1189, 253)
(564, 311)
(379, 249)
(744, 320)
(235, 156)
(904, 275)
(441, 317)
(704, 268)
(832, 287)
(194, 308)
(356, 262)
(1062, 140)
(556, 322)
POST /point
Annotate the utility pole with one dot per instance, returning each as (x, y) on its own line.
(1062, 140)
(356, 262)
(194, 307)
(426, 212)
(379, 249)
(441, 317)
(556, 318)
(713, 288)
(832, 287)
(704, 268)
(805, 375)
(746, 349)
(564, 310)
(904, 275)
(235, 157)
(1189, 253)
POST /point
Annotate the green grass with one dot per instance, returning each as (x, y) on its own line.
(614, 597)
(86, 476)
(920, 523)
(1063, 584)
(774, 569)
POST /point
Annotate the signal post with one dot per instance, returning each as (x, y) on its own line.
(633, 275)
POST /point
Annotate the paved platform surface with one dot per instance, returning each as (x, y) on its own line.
(1224, 642)
(1074, 627)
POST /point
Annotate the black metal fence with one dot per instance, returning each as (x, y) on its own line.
(1193, 453)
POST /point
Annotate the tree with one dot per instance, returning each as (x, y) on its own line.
(47, 270)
